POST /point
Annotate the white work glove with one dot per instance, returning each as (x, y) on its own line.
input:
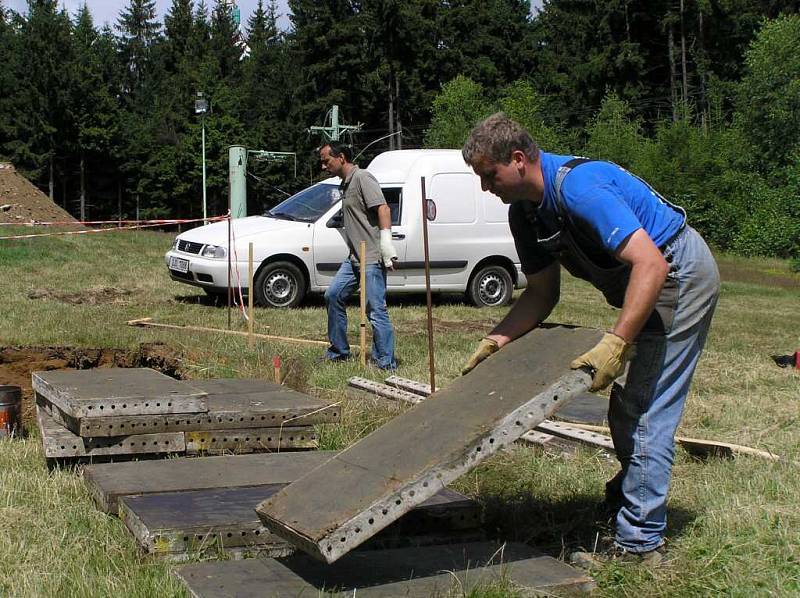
(388, 253)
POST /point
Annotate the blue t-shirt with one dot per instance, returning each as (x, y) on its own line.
(604, 203)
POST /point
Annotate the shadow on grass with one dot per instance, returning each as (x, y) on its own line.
(560, 527)
(316, 300)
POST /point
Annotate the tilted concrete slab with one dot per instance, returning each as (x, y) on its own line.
(416, 454)
(177, 524)
(425, 571)
(117, 391)
(109, 482)
(232, 404)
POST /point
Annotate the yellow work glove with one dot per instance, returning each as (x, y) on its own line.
(607, 360)
(486, 347)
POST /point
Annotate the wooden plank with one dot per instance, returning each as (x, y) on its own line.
(117, 391)
(178, 523)
(414, 455)
(382, 390)
(552, 445)
(109, 482)
(148, 322)
(426, 571)
(60, 443)
(232, 404)
(247, 440)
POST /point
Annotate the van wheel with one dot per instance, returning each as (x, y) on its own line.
(491, 286)
(279, 284)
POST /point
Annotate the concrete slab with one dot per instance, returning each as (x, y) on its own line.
(248, 440)
(425, 571)
(117, 391)
(177, 524)
(586, 408)
(414, 455)
(232, 404)
(60, 443)
(108, 482)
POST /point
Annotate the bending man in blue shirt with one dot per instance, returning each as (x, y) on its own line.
(607, 226)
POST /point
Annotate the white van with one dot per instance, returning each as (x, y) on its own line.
(298, 245)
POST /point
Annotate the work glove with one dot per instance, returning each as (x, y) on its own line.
(606, 360)
(388, 253)
(486, 347)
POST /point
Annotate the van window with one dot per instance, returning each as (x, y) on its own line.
(454, 196)
(394, 199)
(307, 205)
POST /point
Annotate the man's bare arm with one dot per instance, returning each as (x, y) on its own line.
(384, 217)
(648, 272)
(532, 307)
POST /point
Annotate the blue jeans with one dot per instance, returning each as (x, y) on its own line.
(344, 283)
(645, 414)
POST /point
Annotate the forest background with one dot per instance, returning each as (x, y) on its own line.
(699, 97)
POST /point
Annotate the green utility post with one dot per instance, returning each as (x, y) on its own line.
(334, 132)
(237, 169)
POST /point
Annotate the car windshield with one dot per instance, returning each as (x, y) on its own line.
(308, 205)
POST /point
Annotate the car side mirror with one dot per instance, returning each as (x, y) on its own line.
(336, 221)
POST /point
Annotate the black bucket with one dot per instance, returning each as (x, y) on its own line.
(10, 403)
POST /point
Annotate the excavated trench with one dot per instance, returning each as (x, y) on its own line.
(18, 362)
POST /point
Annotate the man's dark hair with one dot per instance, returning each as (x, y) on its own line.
(496, 138)
(340, 149)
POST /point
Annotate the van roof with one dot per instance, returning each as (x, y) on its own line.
(395, 166)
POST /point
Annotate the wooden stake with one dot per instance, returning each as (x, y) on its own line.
(230, 291)
(276, 367)
(148, 322)
(250, 292)
(363, 303)
(428, 285)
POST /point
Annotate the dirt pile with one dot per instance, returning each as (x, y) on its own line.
(22, 202)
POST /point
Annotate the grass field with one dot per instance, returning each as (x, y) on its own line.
(734, 525)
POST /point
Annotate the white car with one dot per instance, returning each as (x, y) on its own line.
(298, 245)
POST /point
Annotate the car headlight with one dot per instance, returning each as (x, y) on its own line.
(175, 244)
(213, 251)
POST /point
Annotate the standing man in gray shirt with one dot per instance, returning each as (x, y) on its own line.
(367, 218)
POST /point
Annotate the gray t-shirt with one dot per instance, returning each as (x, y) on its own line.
(361, 194)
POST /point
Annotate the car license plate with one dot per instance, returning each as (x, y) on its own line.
(179, 264)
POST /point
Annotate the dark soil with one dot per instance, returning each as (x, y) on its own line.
(97, 296)
(18, 363)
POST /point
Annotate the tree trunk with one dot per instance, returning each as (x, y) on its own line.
(52, 183)
(399, 128)
(705, 111)
(83, 187)
(391, 113)
(683, 64)
(119, 203)
(673, 74)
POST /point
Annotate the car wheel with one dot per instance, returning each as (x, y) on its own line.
(491, 286)
(279, 284)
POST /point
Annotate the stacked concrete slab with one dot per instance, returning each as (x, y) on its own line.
(114, 412)
(184, 507)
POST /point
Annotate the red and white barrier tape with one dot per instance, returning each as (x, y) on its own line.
(140, 224)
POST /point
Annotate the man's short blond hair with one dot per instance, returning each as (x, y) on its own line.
(495, 138)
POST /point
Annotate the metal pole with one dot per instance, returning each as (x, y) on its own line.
(230, 291)
(363, 303)
(205, 213)
(428, 284)
(250, 293)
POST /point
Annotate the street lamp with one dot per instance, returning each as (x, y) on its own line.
(201, 107)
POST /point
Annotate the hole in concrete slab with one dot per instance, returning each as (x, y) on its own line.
(385, 511)
(371, 521)
(329, 548)
(342, 539)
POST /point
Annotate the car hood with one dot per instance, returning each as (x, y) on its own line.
(242, 228)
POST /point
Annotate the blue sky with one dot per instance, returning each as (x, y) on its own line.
(108, 10)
